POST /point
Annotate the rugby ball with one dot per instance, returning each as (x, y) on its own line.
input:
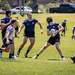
(52, 32)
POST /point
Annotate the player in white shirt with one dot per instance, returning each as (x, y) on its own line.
(8, 40)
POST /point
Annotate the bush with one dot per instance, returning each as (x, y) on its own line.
(4, 5)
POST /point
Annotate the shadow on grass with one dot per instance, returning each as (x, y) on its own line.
(54, 59)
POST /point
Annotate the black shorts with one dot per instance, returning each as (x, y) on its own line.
(17, 28)
(53, 40)
(29, 34)
(4, 42)
(3, 33)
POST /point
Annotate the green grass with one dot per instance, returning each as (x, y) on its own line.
(49, 62)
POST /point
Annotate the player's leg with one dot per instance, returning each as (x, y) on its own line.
(5, 49)
(11, 50)
(22, 45)
(32, 41)
(64, 32)
(59, 50)
(3, 35)
(41, 50)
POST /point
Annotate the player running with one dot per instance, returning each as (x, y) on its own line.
(29, 32)
(8, 40)
(53, 39)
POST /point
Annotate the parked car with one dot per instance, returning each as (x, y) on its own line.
(2, 11)
(63, 8)
(16, 10)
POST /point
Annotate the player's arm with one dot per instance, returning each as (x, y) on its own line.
(61, 28)
(20, 28)
(40, 27)
(3, 25)
(48, 32)
(7, 35)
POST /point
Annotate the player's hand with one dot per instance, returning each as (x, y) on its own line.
(56, 32)
(41, 31)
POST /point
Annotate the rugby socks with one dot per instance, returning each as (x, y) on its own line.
(27, 52)
(62, 56)
(19, 50)
(0, 53)
(10, 55)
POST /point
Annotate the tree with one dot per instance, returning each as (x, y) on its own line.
(4, 5)
(35, 6)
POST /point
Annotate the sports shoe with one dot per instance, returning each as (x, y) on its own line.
(35, 57)
(17, 55)
(13, 57)
(73, 58)
(25, 55)
(63, 59)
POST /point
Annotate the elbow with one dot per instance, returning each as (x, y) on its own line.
(63, 28)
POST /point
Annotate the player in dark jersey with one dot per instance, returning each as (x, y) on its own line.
(5, 21)
(29, 32)
(53, 39)
(73, 32)
(65, 28)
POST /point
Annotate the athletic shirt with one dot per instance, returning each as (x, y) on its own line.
(12, 31)
(30, 25)
(64, 24)
(54, 26)
(5, 20)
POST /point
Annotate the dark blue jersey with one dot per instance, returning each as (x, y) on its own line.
(5, 20)
(54, 26)
(30, 25)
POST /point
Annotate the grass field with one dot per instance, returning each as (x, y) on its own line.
(49, 62)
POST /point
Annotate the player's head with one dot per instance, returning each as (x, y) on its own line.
(65, 20)
(13, 22)
(29, 15)
(8, 13)
(16, 17)
(49, 19)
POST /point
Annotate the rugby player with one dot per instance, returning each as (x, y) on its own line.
(53, 39)
(8, 40)
(29, 32)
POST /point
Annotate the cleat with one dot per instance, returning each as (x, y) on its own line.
(73, 59)
(25, 55)
(63, 59)
(13, 57)
(17, 55)
(35, 57)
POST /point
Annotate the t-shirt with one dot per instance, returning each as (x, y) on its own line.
(12, 31)
(54, 26)
(30, 25)
(5, 20)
